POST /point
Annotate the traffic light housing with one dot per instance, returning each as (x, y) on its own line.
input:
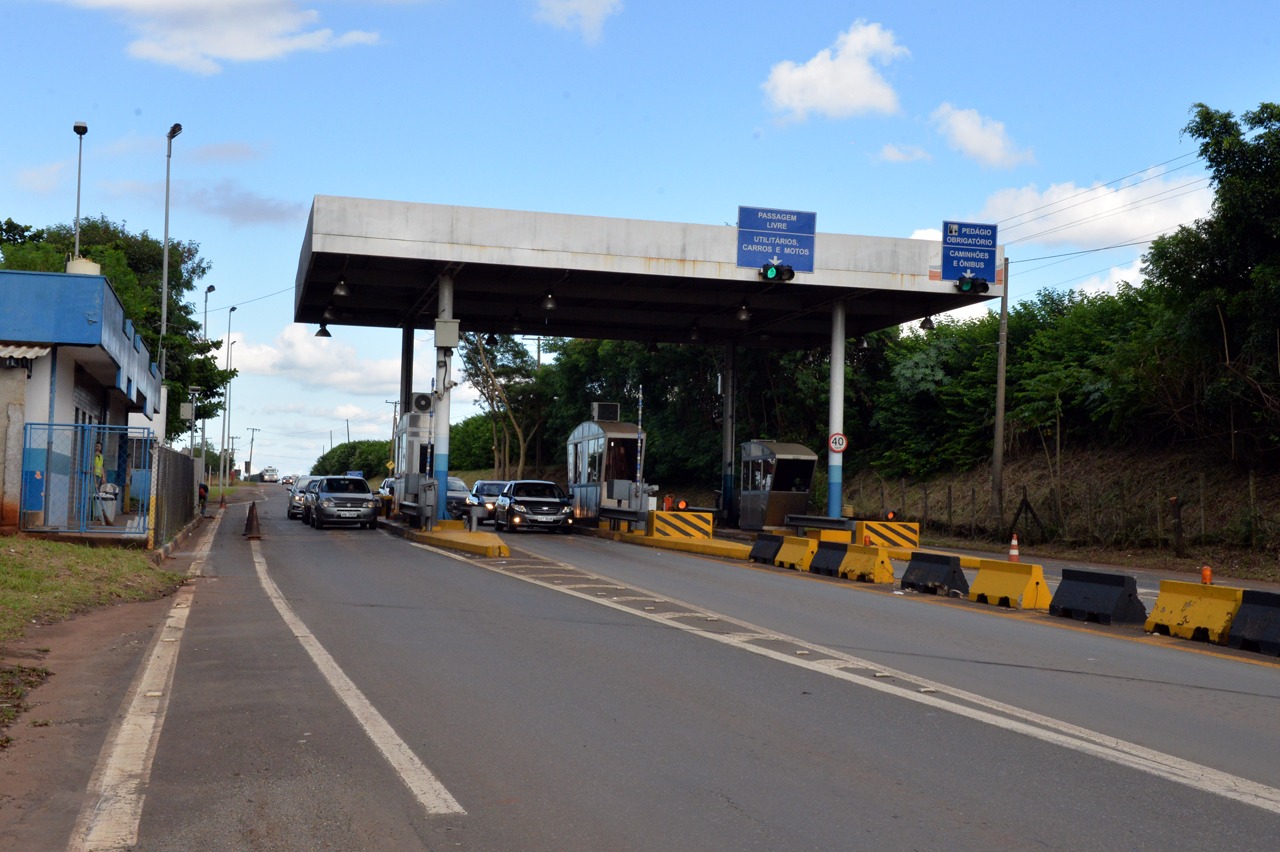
(777, 272)
(972, 286)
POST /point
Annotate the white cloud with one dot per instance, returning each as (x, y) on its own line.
(334, 364)
(932, 234)
(980, 138)
(1100, 215)
(585, 15)
(198, 36)
(1109, 280)
(903, 153)
(840, 82)
(42, 180)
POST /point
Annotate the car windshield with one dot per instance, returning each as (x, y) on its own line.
(456, 484)
(490, 489)
(544, 490)
(346, 486)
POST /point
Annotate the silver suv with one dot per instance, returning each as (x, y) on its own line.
(342, 500)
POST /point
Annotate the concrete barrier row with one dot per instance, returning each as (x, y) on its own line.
(1243, 619)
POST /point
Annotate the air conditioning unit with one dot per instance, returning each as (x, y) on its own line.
(606, 411)
(420, 403)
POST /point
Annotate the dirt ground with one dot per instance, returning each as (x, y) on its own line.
(46, 768)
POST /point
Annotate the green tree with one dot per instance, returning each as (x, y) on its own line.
(1218, 282)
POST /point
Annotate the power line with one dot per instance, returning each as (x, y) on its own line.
(1103, 186)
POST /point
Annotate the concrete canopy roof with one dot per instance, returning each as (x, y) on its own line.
(612, 279)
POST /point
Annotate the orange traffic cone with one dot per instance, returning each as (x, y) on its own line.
(251, 522)
(1013, 549)
(1206, 575)
(866, 541)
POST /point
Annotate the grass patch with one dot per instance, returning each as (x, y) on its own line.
(44, 582)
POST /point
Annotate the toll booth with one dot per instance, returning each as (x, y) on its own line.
(605, 459)
(776, 479)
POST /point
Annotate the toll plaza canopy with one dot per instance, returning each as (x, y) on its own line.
(380, 264)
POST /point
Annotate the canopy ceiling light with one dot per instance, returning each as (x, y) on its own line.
(549, 301)
(927, 324)
(324, 331)
(342, 289)
(744, 313)
(863, 344)
(491, 339)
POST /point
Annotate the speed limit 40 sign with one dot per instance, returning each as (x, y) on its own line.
(837, 442)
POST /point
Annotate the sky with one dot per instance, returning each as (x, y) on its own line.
(1060, 123)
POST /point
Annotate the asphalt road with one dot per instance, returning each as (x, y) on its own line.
(346, 689)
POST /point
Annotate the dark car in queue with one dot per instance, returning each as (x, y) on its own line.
(342, 500)
(533, 504)
(296, 494)
(455, 498)
(485, 494)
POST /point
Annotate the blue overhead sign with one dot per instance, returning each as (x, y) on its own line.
(968, 251)
(766, 235)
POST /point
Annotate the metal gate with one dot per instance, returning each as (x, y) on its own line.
(59, 488)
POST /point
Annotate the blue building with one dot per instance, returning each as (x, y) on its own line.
(73, 373)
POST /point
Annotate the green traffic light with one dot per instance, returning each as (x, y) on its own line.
(770, 271)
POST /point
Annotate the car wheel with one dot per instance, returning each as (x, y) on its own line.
(498, 525)
(316, 523)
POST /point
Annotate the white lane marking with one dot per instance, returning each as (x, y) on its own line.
(943, 697)
(114, 798)
(110, 817)
(424, 785)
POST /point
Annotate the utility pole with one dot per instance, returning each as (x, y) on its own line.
(1002, 359)
(249, 468)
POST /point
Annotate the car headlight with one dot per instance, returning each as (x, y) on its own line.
(371, 504)
(489, 506)
(327, 502)
(519, 507)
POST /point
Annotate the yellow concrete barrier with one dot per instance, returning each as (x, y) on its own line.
(887, 534)
(680, 524)
(1194, 611)
(1011, 584)
(796, 552)
(867, 564)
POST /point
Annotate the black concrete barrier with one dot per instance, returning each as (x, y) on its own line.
(826, 561)
(1098, 597)
(765, 548)
(934, 572)
(1256, 626)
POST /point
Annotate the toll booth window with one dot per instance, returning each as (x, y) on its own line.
(794, 474)
(621, 461)
(595, 459)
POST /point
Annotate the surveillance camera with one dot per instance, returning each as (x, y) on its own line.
(80, 128)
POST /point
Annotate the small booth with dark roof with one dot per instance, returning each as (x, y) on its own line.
(776, 479)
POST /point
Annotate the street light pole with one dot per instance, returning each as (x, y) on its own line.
(164, 273)
(196, 473)
(81, 129)
(226, 409)
(207, 291)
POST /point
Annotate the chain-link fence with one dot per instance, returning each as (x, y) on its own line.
(103, 480)
(175, 493)
(1183, 508)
